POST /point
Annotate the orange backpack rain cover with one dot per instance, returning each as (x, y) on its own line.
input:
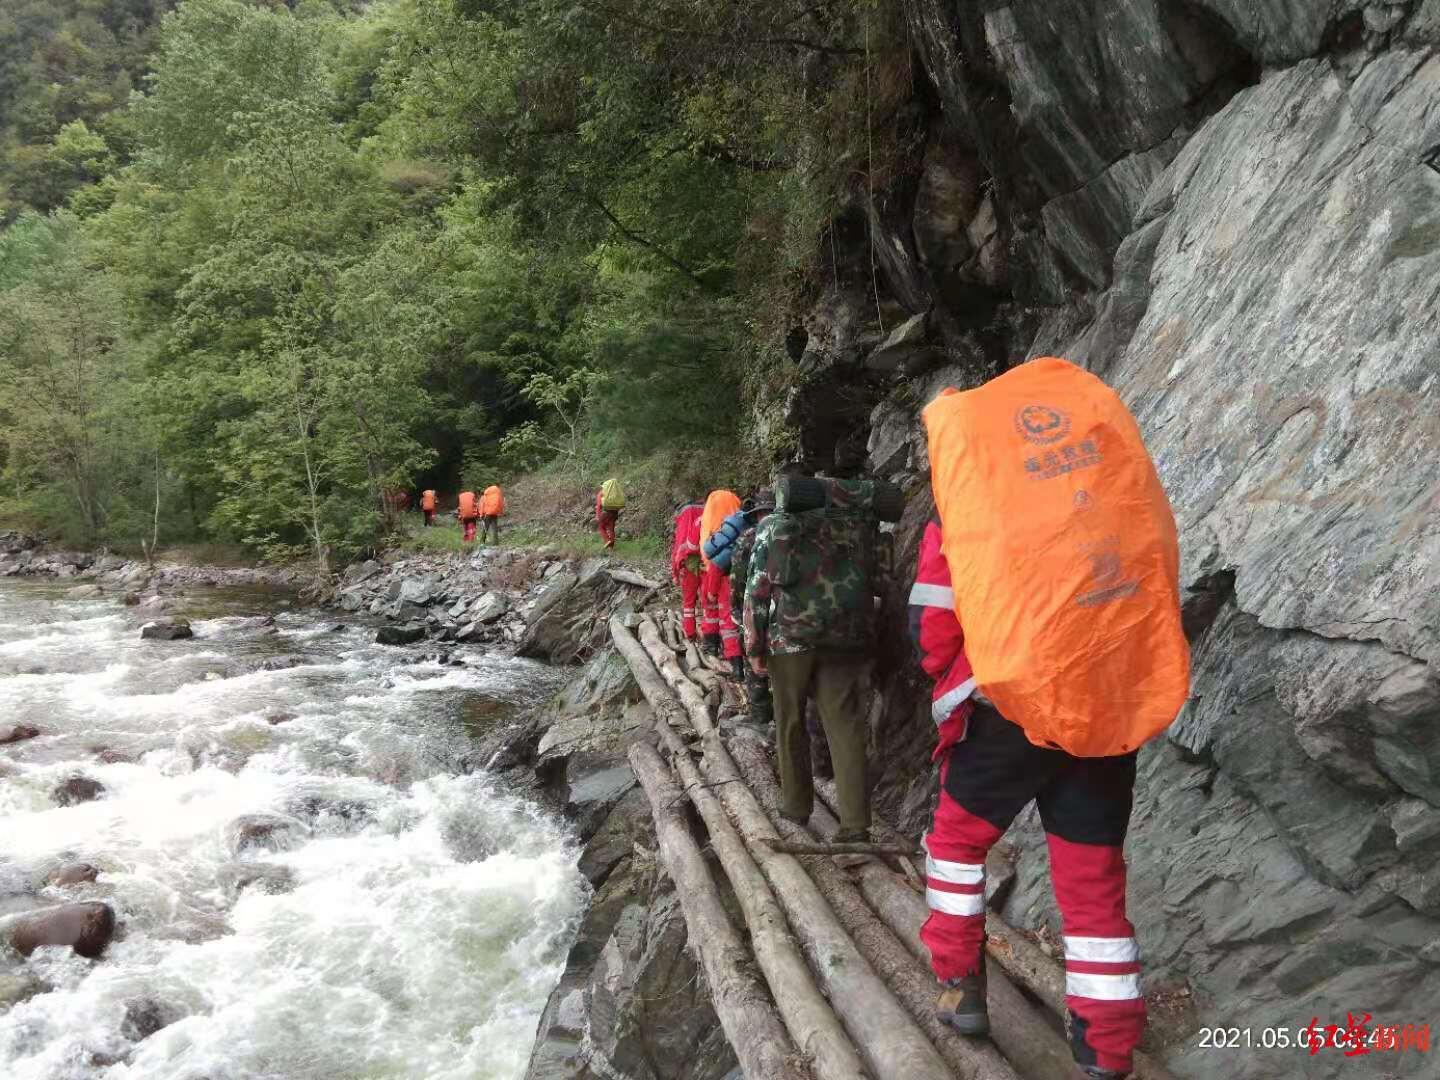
(468, 508)
(492, 503)
(720, 505)
(1063, 557)
(427, 500)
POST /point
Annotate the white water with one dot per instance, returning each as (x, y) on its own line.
(430, 909)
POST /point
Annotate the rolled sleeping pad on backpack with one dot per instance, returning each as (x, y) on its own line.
(797, 494)
(720, 546)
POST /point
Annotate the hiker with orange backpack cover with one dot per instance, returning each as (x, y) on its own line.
(492, 506)
(427, 506)
(468, 511)
(1056, 543)
(717, 625)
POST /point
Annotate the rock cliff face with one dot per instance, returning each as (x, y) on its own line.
(1230, 209)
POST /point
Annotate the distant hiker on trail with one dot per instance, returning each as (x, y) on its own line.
(721, 635)
(469, 513)
(492, 507)
(609, 501)
(1056, 541)
(809, 617)
(685, 564)
(427, 506)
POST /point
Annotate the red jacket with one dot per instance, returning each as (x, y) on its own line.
(687, 537)
(941, 642)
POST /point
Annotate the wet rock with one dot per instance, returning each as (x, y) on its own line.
(417, 591)
(131, 599)
(407, 634)
(167, 630)
(275, 719)
(268, 878)
(489, 607)
(84, 592)
(459, 608)
(86, 928)
(365, 571)
(109, 756)
(284, 663)
(145, 1016)
(71, 874)
(77, 789)
(13, 733)
(263, 832)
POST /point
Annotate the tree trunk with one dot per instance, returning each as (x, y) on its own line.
(740, 1001)
(812, 1023)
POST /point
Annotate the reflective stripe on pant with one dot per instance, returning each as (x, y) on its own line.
(839, 683)
(689, 598)
(1084, 805)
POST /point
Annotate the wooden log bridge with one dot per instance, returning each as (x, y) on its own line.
(827, 979)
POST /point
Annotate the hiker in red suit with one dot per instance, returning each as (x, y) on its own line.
(685, 565)
(989, 772)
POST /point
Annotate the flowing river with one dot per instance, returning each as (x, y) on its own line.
(314, 878)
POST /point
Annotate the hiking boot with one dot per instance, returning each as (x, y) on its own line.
(852, 836)
(737, 665)
(1095, 1072)
(961, 1005)
(712, 644)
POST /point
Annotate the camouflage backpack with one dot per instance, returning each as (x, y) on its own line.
(826, 568)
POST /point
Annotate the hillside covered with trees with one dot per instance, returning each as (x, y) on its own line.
(263, 263)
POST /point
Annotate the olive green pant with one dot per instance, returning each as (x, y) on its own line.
(838, 682)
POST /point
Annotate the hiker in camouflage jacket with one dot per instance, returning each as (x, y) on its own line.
(757, 686)
(809, 623)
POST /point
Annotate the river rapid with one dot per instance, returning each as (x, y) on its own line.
(395, 914)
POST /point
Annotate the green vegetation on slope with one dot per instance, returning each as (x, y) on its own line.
(329, 250)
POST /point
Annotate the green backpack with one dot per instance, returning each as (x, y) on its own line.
(612, 495)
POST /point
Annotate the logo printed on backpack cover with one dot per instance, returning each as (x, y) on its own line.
(1041, 424)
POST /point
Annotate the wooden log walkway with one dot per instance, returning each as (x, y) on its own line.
(827, 977)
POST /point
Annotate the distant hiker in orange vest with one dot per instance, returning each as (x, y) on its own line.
(469, 513)
(1080, 657)
(492, 505)
(427, 506)
(717, 626)
(685, 564)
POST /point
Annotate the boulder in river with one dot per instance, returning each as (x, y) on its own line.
(84, 592)
(78, 789)
(144, 1016)
(70, 874)
(284, 663)
(13, 733)
(417, 591)
(167, 630)
(86, 927)
(267, 832)
(407, 634)
(275, 719)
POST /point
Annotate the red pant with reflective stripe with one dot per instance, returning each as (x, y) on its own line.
(1084, 805)
(689, 599)
(716, 617)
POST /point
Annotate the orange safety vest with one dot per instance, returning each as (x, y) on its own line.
(492, 503)
(427, 500)
(1063, 557)
(720, 505)
(469, 511)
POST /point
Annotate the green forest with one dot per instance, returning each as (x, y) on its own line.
(262, 263)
